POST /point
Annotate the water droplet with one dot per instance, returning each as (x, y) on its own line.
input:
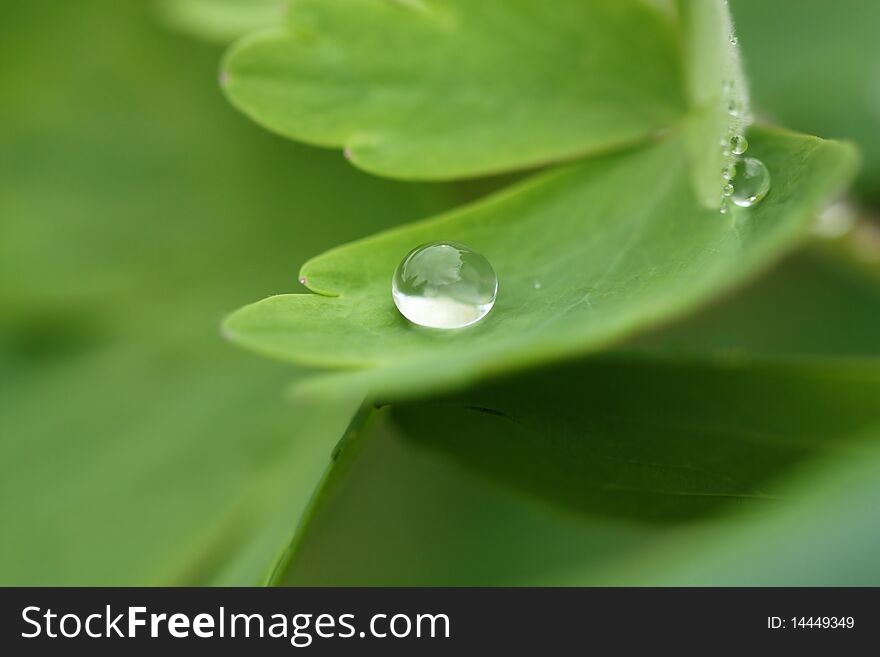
(751, 183)
(739, 145)
(733, 40)
(444, 285)
(728, 190)
(729, 172)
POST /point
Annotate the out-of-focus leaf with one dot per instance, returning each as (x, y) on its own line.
(222, 20)
(824, 533)
(438, 89)
(595, 466)
(815, 66)
(585, 257)
(135, 210)
(135, 465)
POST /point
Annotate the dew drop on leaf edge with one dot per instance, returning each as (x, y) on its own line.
(444, 285)
(739, 145)
(751, 182)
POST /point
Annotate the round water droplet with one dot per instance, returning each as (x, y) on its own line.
(728, 190)
(444, 285)
(739, 145)
(751, 183)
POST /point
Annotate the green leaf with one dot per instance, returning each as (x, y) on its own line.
(431, 89)
(824, 534)
(717, 94)
(152, 468)
(568, 475)
(221, 20)
(573, 436)
(137, 448)
(585, 257)
(815, 66)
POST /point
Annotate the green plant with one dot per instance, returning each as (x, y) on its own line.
(663, 394)
(617, 242)
(627, 102)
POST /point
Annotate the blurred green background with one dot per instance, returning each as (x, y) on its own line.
(137, 208)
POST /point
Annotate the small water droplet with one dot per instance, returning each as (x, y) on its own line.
(729, 172)
(444, 285)
(751, 183)
(733, 40)
(728, 190)
(739, 145)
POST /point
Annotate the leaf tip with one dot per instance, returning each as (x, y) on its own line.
(845, 159)
(308, 281)
(226, 331)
